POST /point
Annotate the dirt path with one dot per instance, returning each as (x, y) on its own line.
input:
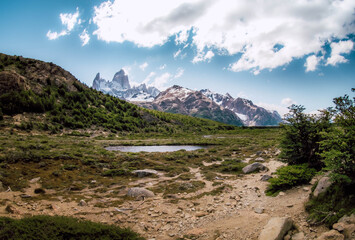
(239, 212)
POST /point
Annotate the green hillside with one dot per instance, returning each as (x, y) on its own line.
(56, 100)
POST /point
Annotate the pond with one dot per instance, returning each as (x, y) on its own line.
(161, 148)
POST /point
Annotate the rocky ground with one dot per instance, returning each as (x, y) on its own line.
(240, 211)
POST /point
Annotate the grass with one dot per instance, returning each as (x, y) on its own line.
(60, 228)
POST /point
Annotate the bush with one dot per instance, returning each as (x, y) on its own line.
(339, 200)
(338, 149)
(288, 177)
(302, 134)
(116, 172)
(55, 228)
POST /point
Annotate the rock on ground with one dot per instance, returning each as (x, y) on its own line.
(265, 178)
(331, 235)
(145, 172)
(322, 186)
(139, 192)
(253, 167)
(276, 228)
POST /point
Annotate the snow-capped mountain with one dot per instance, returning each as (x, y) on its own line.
(121, 88)
(181, 100)
(251, 114)
(176, 99)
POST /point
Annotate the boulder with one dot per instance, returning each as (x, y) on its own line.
(139, 192)
(322, 186)
(253, 167)
(331, 235)
(346, 225)
(276, 228)
(348, 219)
(144, 173)
(82, 203)
(265, 178)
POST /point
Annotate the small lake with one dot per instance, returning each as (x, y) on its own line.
(161, 148)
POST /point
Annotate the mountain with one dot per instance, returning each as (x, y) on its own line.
(251, 114)
(181, 100)
(121, 88)
(43, 96)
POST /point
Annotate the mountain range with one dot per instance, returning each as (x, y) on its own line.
(177, 99)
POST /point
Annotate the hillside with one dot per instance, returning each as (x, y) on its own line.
(58, 100)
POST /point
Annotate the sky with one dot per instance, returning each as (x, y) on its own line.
(275, 53)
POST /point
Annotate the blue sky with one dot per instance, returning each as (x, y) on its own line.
(272, 52)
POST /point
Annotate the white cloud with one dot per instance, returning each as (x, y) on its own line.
(201, 57)
(84, 37)
(271, 35)
(177, 53)
(162, 67)
(287, 102)
(69, 20)
(54, 35)
(282, 110)
(311, 63)
(342, 47)
(160, 81)
(179, 73)
(143, 66)
(149, 78)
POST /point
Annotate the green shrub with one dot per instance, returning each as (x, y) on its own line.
(339, 200)
(338, 149)
(301, 137)
(288, 177)
(116, 172)
(60, 228)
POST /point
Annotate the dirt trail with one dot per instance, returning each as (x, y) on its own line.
(240, 212)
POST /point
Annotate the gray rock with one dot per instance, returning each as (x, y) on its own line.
(254, 167)
(139, 192)
(276, 228)
(82, 203)
(331, 235)
(265, 178)
(145, 172)
(259, 210)
(259, 159)
(322, 186)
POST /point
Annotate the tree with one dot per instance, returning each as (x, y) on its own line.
(338, 146)
(301, 136)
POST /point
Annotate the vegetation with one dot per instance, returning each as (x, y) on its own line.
(289, 177)
(72, 105)
(57, 228)
(326, 146)
(301, 137)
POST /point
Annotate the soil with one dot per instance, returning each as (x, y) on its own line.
(240, 211)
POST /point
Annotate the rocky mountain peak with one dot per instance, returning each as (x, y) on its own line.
(121, 78)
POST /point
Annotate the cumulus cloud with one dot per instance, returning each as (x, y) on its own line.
(143, 66)
(69, 20)
(342, 47)
(84, 37)
(311, 63)
(271, 35)
(202, 57)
